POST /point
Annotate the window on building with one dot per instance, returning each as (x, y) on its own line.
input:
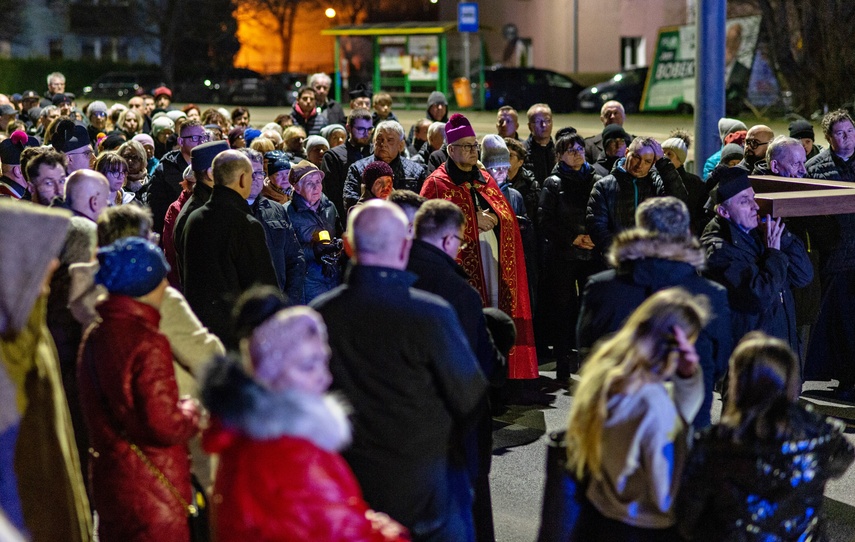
(55, 49)
(633, 52)
(89, 50)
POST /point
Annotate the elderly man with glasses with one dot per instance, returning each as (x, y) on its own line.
(166, 180)
(493, 257)
(389, 143)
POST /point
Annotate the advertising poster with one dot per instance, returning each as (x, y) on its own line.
(671, 79)
(424, 54)
(393, 54)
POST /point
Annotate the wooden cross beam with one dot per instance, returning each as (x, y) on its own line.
(780, 196)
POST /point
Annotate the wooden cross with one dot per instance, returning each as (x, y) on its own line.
(780, 196)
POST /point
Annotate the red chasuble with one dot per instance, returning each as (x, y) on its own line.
(513, 282)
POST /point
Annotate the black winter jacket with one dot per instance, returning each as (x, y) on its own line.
(835, 236)
(335, 164)
(408, 175)
(165, 186)
(396, 345)
(561, 212)
(762, 489)
(615, 198)
(759, 280)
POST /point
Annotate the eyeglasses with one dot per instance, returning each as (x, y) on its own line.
(467, 148)
(359, 130)
(574, 151)
(117, 172)
(197, 138)
(754, 143)
(86, 152)
(99, 114)
(463, 244)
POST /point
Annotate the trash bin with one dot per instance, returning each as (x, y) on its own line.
(462, 92)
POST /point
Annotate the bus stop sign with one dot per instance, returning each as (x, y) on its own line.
(467, 17)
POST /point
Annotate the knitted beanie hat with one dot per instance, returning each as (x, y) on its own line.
(731, 151)
(131, 266)
(374, 171)
(677, 146)
(494, 152)
(801, 129)
(727, 126)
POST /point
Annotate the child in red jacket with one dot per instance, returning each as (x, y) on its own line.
(280, 476)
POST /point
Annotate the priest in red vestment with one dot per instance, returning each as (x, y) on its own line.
(492, 250)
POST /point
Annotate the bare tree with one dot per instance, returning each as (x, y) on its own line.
(282, 14)
(808, 45)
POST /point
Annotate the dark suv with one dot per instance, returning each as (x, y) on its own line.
(122, 84)
(523, 87)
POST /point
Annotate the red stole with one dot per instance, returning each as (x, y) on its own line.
(513, 281)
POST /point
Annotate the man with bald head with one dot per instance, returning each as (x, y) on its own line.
(756, 144)
(86, 193)
(224, 251)
(612, 112)
(393, 344)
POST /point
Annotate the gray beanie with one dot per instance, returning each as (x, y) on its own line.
(677, 146)
(315, 141)
(731, 151)
(96, 106)
(728, 126)
(494, 152)
(437, 97)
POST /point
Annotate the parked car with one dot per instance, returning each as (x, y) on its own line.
(284, 87)
(523, 87)
(626, 87)
(114, 85)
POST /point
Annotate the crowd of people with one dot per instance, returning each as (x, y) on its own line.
(335, 307)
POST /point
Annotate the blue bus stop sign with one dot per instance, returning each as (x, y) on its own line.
(467, 17)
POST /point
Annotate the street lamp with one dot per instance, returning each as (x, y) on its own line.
(330, 13)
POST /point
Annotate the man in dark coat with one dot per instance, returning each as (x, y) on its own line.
(224, 247)
(388, 146)
(285, 251)
(540, 148)
(338, 160)
(165, 184)
(400, 357)
(202, 158)
(759, 266)
(832, 345)
(616, 197)
(438, 227)
(661, 253)
(331, 109)
(612, 113)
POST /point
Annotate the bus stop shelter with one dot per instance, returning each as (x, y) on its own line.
(408, 60)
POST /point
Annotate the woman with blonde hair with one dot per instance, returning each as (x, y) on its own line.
(627, 433)
(761, 473)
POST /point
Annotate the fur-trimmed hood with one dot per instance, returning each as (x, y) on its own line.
(639, 244)
(241, 404)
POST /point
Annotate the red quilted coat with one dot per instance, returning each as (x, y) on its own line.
(133, 364)
(278, 479)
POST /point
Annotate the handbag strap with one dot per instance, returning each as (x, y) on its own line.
(190, 508)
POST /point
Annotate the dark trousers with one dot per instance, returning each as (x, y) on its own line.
(560, 302)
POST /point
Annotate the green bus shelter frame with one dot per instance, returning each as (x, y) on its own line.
(383, 82)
